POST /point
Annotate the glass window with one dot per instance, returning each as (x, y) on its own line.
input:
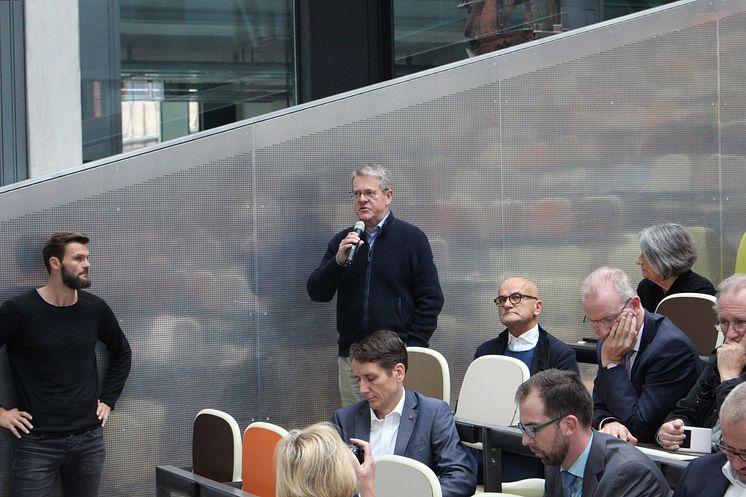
(191, 65)
(429, 33)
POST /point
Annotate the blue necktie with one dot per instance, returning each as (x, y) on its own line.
(568, 479)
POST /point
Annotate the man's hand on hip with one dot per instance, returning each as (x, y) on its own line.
(103, 411)
(16, 421)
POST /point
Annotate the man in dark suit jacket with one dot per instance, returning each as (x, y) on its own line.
(715, 474)
(643, 370)
(402, 422)
(519, 305)
(556, 411)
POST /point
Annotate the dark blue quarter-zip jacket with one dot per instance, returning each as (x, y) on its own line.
(395, 286)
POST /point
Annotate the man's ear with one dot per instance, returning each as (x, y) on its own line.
(569, 425)
(399, 371)
(55, 263)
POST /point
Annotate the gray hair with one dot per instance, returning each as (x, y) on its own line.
(731, 284)
(669, 248)
(606, 275)
(376, 171)
(734, 407)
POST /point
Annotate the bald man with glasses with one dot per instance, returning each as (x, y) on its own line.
(519, 305)
(645, 363)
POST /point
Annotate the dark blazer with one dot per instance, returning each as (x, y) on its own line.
(550, 352)
(651, 294)
(704, 477)
(666, 367)
(427, 433)
(614, 469)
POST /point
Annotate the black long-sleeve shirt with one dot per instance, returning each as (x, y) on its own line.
(51, 351)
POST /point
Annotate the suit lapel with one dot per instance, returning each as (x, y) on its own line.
(407, 422)
(648, 334)
(541, 353)
(594, 466)
(362, 423)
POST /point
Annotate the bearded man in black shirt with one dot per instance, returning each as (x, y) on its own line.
(51, 334)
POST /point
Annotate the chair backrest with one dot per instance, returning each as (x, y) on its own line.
(258, 473)
(487, 395)
(216, 446)
(741, 256)
(530, 487)
(428, 373)
(693, 313)
(399, 476)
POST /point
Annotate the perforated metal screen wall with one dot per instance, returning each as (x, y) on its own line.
(543, 161)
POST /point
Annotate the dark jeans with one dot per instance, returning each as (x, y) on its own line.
(78, 459)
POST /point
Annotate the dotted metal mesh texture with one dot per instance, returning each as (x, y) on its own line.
(546, 165)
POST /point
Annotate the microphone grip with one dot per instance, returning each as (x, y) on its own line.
(359, 227)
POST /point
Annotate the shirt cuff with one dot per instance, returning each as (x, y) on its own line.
(605, 420)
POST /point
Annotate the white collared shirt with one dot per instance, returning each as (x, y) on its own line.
(737, 487)
(526, 341)
(383, 432)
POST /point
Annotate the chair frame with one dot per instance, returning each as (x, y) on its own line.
(701, 350)
(282, 432)
(237, 439)
(422, 468)
(525, 374)
(445, 370)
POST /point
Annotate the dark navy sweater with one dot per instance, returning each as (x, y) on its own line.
(395, 286)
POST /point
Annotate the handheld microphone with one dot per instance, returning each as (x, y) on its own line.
(359, 228)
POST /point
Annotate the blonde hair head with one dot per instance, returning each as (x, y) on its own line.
(314, 462)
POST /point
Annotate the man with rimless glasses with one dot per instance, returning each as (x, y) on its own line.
(391, 282)
(722, 474)
(645, 363)
(725, 370)
(556, 412)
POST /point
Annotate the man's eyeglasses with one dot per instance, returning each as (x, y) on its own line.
(532, 430)
(737, 325)
(515, 298)
(730, 452)
(369, 194)
(608, 320)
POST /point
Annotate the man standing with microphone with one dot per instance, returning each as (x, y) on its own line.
(382, 272)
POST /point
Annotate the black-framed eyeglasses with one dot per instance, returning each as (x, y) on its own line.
(730, 452)
(515, 298)
(608, 320)
(532, 430)
(370, 193)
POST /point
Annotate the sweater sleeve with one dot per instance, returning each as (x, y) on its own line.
(120, 357)
(324, 280)
(428, 296)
